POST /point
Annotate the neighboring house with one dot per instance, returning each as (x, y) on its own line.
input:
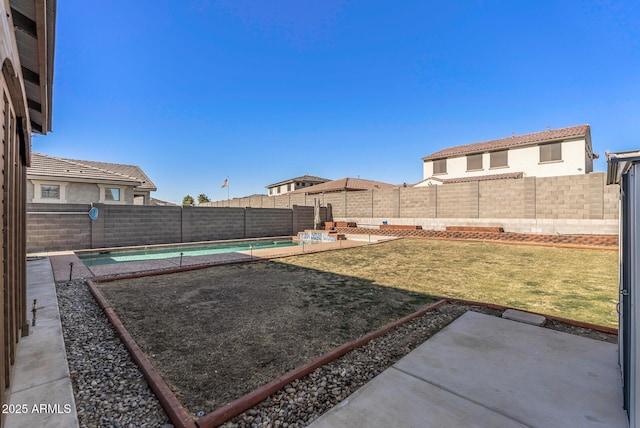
(554, 152)
(346, 185)
(161, 203)
(293, 184)
(440, 180)
(57, 180)
(27, 40)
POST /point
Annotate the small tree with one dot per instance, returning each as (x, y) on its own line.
(187, 200)
(203, 198)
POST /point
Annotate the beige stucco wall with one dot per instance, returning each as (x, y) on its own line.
(78, 193)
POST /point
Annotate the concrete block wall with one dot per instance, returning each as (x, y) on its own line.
(562, 197)
(211, 223)
(501, 199)
(359, 204)
(458, 200)
(62, 231)
(261, 222)
(531, 199)
(126, 225)
(130, 225)
(303, 218)
(611, 204)
(418, 201)
(281, 201)
(337, 202)
(385, 203)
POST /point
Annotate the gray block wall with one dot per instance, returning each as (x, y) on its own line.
(126, 225)
(58, 231)
(132, 225)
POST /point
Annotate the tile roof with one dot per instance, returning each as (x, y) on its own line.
(513, 141)
(508, 175)
(51, 166)
(345, 184)
(306, 178)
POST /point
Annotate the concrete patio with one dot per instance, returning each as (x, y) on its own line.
(487, 371)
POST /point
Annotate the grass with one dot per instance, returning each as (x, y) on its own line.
(572, 283)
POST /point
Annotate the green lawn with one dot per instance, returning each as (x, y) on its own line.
(571, 283)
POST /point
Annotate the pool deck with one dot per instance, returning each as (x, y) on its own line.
(62, 270)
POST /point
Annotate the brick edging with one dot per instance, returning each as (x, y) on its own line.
(592, 242)
(170, 403)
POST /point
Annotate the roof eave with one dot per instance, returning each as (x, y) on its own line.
(528, 144)
(82, 179)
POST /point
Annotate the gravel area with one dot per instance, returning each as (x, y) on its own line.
(109, 389)
(301, 402)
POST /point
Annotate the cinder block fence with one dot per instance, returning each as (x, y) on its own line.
(575, 204)
(54, 227)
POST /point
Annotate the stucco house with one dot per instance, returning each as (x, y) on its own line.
(57, 180)
(292, 184)
(554, 152)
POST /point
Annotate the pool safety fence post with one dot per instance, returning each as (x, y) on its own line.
(70, 270)
(181, 254)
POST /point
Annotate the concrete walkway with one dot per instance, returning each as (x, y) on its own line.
(486, 371)
(41, 384)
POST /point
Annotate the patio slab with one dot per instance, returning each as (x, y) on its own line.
(483, 370)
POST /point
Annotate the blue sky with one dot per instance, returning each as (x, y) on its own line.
(262, 91)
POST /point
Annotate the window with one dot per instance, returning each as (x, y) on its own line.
(498, 159)
(279, 188)
(551, 152)
(474, 162)
(440, 166)
(50, 191)
(111, 194)
(289, 187)
(271, 191)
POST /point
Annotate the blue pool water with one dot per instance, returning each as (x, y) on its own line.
(111, 257)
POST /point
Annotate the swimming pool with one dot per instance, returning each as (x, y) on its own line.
(167, 252)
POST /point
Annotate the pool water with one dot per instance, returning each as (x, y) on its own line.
(111, 257)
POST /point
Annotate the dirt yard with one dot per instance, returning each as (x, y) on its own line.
(218, 333)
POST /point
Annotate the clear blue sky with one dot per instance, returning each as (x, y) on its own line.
(262, 91)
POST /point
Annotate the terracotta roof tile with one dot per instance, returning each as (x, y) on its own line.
(345, 184)
(513, 141)
(508, 175)
(307, 178)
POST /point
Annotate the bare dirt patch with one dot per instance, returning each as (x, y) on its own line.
(218, 333)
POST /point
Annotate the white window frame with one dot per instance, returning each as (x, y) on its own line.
(37, 192)
(104, 187)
